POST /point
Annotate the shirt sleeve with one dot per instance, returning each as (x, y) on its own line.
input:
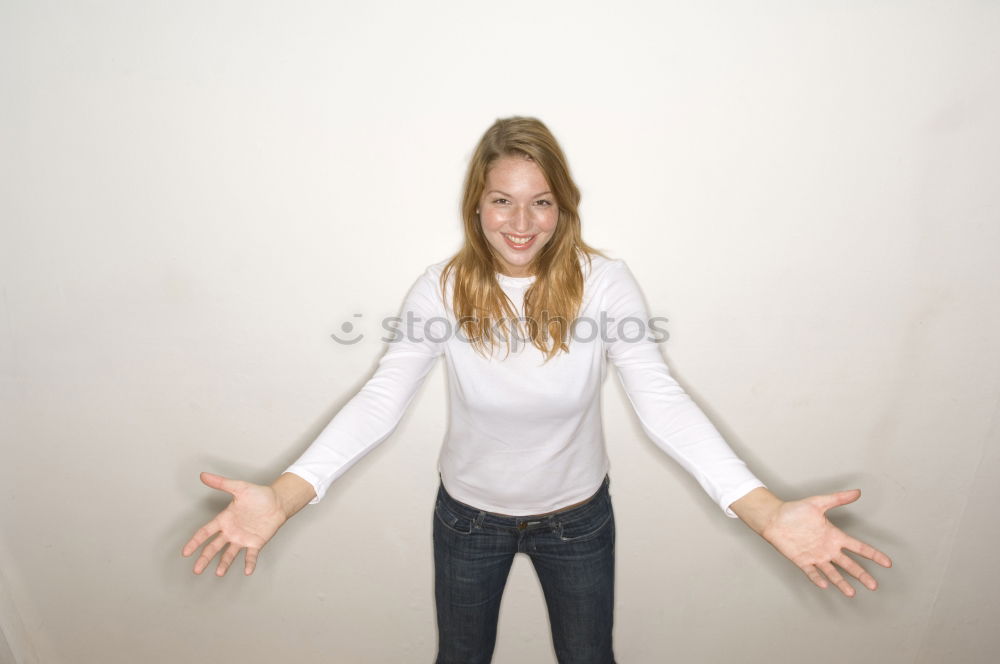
(373, 413)
(667, 413)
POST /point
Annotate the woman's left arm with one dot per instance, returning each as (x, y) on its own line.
(800, 531)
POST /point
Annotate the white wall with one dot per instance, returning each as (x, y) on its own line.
(194, 195)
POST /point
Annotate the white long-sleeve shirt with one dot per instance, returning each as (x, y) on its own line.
(526, 437)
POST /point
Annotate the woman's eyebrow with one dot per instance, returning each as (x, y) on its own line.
(503, 193)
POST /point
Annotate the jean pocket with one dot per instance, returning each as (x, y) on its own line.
(588, 526)
(453, 522)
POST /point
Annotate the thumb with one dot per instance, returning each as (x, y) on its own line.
(221, 483)
(831, 500)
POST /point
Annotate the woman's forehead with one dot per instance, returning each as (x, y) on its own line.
(514, 168)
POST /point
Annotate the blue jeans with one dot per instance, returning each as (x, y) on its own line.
(573, 552)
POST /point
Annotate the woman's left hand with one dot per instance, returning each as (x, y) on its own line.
(800, 530)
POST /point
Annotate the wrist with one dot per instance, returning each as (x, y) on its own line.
(757, 509)
(292, 492)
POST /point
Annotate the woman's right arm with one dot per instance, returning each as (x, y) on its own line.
(257, 512)
(372, 414)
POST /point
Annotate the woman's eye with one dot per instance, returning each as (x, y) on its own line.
(501, 201)
(543, 203)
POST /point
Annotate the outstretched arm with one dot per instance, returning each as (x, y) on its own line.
(800, 531)
(375, 411)
(668, 415)
(257, 512)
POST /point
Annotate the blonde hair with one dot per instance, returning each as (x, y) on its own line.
(552, 302)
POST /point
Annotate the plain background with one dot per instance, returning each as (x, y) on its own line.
(195, 195)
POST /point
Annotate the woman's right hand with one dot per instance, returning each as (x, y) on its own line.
(249, 522)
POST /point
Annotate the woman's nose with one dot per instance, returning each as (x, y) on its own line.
(520, 222)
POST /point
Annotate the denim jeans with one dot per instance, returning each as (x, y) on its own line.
(573, 552)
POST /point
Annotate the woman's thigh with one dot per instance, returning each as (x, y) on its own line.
(575, 564)
(471, 566)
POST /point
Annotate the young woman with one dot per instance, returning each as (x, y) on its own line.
(527, 315)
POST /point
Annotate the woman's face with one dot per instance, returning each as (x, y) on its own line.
(517, 211)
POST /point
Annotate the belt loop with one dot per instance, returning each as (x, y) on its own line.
(479, 519)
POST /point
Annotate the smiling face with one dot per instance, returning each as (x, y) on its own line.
(517, 211)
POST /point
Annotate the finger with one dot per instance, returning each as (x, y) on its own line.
(251, 561)
(227, 559)
(868, 551)
(208, 553)
(221, 483)
(831, 500)
(199, 537)
(836, 579)
(814, 576)
(857, 571)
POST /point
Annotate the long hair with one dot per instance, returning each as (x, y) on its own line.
(552, 302)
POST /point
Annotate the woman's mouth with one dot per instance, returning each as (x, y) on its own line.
(519, 242)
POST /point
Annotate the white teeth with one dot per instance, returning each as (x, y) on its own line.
(517, 240)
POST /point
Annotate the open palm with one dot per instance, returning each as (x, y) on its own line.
(249, 522)
(803, 534)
